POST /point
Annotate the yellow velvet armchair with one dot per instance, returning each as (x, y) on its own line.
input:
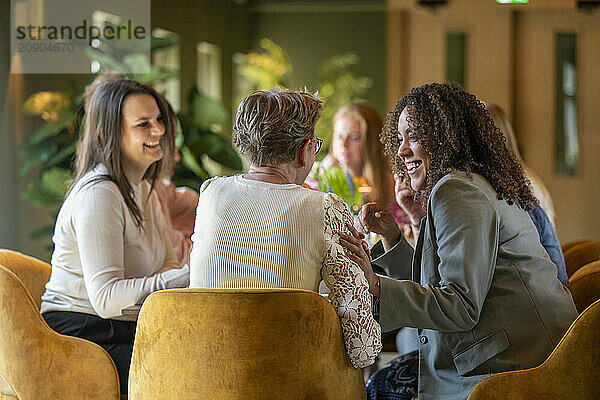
(36, 362)
(577, 254)
(240, 344)
(570, 372)
(585, 286)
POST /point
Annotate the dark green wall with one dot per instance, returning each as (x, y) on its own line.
(309, 37)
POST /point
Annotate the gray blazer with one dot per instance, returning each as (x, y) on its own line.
(480, 287)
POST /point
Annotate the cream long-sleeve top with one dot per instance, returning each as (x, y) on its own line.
(102, 263)
(252, 234)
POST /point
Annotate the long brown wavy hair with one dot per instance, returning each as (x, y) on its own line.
(457, 131)
(103, 134)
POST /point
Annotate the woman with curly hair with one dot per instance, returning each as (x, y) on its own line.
(480, 287)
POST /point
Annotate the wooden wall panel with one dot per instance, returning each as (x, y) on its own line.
(575, 197)
(489, 50)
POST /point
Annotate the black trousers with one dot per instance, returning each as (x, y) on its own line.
(116, 337)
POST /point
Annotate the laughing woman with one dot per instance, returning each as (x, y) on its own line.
(109, 248)
(481, 289)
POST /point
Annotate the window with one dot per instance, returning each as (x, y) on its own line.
(209, 70)
(567, 144)
(168, 57)
(456, 50)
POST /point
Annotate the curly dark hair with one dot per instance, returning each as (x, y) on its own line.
(457, 131)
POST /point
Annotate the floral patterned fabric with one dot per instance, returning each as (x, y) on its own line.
(349, 289)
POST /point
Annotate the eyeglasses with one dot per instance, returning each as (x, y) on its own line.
(318, 143)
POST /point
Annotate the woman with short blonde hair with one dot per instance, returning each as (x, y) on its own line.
(263, 229)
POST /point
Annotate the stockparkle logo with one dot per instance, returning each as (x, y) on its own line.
(84, 31)
(80, 37)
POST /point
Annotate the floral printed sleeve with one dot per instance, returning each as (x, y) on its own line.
(349, 289)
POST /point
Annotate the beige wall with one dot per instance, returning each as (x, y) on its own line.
(510, 61)
(575, 197)
(417, 48)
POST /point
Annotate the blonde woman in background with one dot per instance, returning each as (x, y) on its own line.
(539, 190)
(356, 149)
(542, 215)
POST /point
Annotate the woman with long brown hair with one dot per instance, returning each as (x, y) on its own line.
(110, 251)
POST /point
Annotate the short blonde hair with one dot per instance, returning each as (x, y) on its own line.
(272, 124)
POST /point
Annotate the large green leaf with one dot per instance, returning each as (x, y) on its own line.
(38, 195)
(66, 152)
(45, 232)
(156, 74)
(38, 154)
(207, 112)
(50, 188)
(188, 159)
(137, 63)
(218, 149)
(51, 128)
(56, 181)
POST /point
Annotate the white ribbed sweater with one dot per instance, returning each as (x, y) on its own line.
(252, 234)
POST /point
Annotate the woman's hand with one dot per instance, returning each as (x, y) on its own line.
(405, 197)
(359, 253)
(372, 217)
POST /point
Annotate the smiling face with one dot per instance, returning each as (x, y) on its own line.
(414, 156)
(348, 144)
(143, 129)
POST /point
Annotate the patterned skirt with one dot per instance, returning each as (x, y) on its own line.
(398, 380)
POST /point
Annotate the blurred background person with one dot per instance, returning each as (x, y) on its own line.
(539, 189)
(356, 149)
(543, 213)
(178, 203)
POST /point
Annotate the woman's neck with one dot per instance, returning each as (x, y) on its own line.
(280, 174)
(134, 177)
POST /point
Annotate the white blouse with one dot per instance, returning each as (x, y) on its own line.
(252, 234)
(102, 263)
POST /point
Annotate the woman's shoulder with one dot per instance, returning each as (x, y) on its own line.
(458, 187)
(458, 181)
(97, 185)
(215, 181)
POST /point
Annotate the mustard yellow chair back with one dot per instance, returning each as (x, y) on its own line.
(33, 273)
(585, 286)
(240, 344)
(581, 254)
(568, 245)
(39, 363)
(572, 371)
